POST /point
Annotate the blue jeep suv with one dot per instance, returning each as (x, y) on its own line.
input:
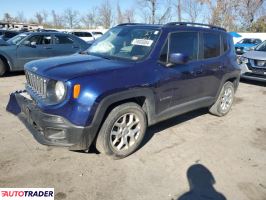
(134, 76)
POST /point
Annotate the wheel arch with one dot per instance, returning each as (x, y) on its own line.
(7, 61)
(143, 97)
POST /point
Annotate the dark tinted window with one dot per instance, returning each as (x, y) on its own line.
(79, 34)
(186, 43)
(211, 45)
(10, 34)
(45, 39)
(163, 56)
(225, 43)
(62, 39)
(86, 34)
(40, 39)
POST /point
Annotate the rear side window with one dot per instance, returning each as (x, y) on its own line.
(62, 39)
(186, 43)
(211, 45)
(45, 39)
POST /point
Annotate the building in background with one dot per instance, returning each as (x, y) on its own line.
(19, 26)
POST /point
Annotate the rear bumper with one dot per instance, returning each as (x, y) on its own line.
(49, 129)
(246, 73)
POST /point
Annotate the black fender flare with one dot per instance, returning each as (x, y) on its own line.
(121, 96)
(235, 75)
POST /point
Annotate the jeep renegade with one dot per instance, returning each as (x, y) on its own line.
(132, 77)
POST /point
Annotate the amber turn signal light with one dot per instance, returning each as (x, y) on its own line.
(76, 91)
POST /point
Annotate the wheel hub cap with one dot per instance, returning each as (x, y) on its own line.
(226, 100)
(125, 132)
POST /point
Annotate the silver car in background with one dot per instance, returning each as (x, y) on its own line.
(253, 63)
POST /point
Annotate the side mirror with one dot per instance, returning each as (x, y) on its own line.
(30, 44)
(178, 58)
(33, 44)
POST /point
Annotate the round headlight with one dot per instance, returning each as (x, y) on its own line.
(244, 60)
(60, 90)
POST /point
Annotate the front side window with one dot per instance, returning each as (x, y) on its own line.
(181, 42)
(131, 43)
(86, 34)
(186, 43)
(211, 45)
(39, 40)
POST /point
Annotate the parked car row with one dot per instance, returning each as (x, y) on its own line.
(87, 36)
(246, 44)
(25, 47)
(253, 63)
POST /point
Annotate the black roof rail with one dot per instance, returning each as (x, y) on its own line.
(124, 24)
(195, 24)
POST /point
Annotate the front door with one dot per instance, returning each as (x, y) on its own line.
(34, 48)
(180, 83)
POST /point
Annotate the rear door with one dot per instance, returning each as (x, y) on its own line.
(214, 61)
(64, 45)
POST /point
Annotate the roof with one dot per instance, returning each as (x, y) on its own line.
(177, 25)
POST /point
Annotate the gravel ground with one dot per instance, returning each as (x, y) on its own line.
(192, 155)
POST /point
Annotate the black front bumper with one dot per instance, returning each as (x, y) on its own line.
(49, 129)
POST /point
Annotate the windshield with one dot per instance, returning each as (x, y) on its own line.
(15, 40)
(123, 42)
(261, 47)
(97, 33)
(248, 41)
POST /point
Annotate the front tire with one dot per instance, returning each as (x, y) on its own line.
(2, 68)
(225, 100)
(122, 131)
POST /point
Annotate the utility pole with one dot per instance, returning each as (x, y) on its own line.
(179, 10)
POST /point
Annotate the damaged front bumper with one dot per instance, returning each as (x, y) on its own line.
(49, 129)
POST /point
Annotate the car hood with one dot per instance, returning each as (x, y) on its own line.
(256, 55)
(3, 42)
(244, 45)
(68, 67)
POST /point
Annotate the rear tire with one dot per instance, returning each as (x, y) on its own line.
(122, 131)
(3, 68)
(225, 100)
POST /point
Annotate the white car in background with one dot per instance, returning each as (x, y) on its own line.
(87, 36)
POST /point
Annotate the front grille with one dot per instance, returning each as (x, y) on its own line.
(254, 64)
(36, 84)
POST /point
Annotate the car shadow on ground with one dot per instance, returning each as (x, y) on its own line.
(201, 185)
(253, 82)
(10, 74)
(151, 131)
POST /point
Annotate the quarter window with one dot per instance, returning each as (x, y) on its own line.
(211, 45)
(225, 43)
(186, 43)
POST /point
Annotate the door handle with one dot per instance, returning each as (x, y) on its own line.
(75, 47)
(47, 47)
(197, 72)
